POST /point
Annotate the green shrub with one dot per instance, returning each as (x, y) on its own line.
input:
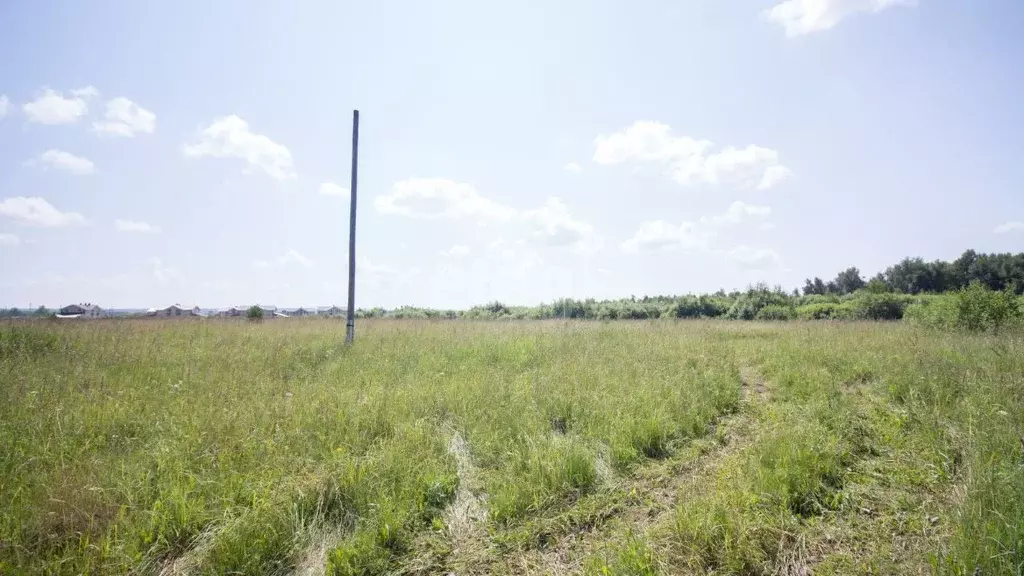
(818, 299)
(823, 311)
(254, 313)
(979, 308)
(775, 312)
(747, 305)
(975, 309)
(607, 312)
(869, 306)
(639, 311)
(695, 307)
(937, 313)
(572, 309)
(409, 313)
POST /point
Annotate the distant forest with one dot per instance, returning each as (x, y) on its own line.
(886, 296)
(915, 276)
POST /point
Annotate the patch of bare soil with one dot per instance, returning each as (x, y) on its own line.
(753, 382)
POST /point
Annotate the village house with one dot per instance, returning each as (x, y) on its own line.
(232, 312)
(89, 310)
(175, 311)
(243, 311)
(84, 310)
(330, 311)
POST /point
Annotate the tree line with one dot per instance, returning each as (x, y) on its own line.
(916, 276)
(41, 312)
(849, 296)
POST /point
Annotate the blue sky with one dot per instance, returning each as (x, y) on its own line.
(517, 151)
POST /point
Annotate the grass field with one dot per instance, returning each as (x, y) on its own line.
(505, 448)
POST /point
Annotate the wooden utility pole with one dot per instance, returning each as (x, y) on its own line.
(350, 313)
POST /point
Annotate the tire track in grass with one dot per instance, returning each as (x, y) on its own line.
(190, 561)
(313, 561)
(878, 503)
(462, 544)
(465, 519)
(649, 495)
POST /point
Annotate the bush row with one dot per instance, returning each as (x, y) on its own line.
(973, 308)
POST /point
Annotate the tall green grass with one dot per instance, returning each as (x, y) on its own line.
(138, 443)
(883, 449)
(240, 447)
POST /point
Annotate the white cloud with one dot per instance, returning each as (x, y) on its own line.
(332, 189)
(87, 92)
(689, 161)
(554, 226)
(743, 166)
(440, 198)
(659, 235)
(51, 107)
(5, 105)
(135, 226)
(739, 212)
(38, 212)
(64, 161)
(125, 118)
(289, 257)
(230, 137)
(767, 226)
(646, 141)
(664, 236)
(1007, 227)
(9, 240)
(456, 251)
(573, 168)
(754, 258)
(801, 17)
(772, 176)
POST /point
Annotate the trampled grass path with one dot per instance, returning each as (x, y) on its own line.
(646, 498)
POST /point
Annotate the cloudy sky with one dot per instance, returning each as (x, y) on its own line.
(198, 152)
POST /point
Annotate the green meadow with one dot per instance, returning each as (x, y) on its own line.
(550, 447)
